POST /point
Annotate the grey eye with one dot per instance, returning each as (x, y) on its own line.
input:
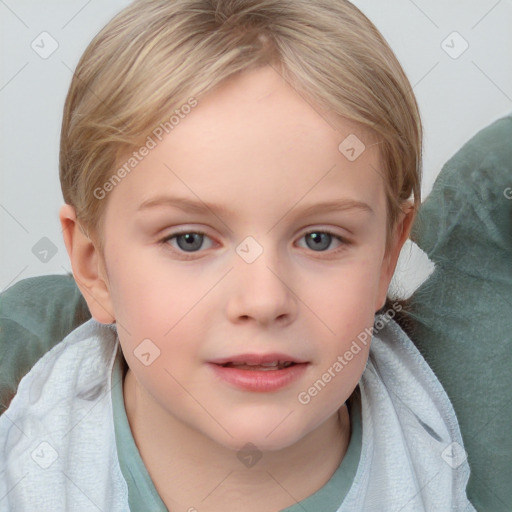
(189, 241)
(318, 241)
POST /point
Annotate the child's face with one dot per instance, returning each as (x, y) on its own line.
(262, 153)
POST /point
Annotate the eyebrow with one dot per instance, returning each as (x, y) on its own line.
(201, 207)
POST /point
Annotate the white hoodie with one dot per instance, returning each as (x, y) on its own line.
(58, 449)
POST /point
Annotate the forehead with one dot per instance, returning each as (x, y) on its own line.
(256, 137)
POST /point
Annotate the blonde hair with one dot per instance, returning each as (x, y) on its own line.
(156, 55)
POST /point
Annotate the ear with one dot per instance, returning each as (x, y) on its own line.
(88, 268)
(398, 237)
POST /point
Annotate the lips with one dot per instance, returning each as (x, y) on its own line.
(261, 373)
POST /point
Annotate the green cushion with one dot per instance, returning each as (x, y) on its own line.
(462, 314)
(35, 314)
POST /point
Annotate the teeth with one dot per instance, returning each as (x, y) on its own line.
(273, 365)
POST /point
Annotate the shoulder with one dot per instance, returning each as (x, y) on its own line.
(397, 370)
(70, 370)
(59, 425)
(408, 421)
(81, 358)
(35, 314)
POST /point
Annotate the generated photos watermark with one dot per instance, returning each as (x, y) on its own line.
(362, 339)
(152, 141)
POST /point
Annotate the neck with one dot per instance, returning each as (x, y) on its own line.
(172, 453)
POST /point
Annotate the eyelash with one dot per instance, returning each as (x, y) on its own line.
(190, 255)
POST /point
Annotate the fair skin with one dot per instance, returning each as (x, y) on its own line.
(257, 148)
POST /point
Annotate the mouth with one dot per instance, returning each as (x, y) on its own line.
(264, 372)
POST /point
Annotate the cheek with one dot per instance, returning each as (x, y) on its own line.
(348, 296)
(346, 307)
(156, 301)
(150, 295)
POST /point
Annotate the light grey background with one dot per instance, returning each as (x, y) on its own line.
(458, 95)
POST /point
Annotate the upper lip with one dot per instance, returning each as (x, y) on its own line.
(258, 359)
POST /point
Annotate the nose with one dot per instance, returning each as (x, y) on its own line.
(261, 291)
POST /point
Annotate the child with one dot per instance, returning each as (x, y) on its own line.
(209, 151)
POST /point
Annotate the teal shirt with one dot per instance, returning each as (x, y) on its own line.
(142, 494)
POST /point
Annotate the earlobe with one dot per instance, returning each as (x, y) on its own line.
(400, 235)
(88, 270)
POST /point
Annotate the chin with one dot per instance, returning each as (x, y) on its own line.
(264, 436)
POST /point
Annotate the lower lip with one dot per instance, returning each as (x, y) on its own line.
(260, 380)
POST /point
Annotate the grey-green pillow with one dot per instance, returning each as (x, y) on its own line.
(35, 314)
(462, 315)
